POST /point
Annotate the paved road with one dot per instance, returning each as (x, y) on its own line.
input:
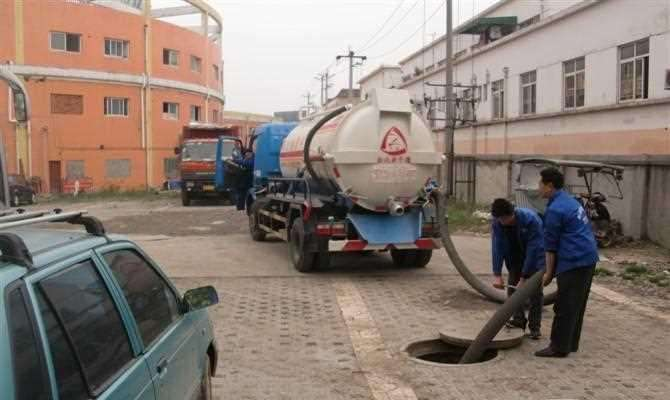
(339, 334)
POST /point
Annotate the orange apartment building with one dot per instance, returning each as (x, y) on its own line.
(111, 85)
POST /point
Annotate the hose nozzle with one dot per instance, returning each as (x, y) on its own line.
(396, 209)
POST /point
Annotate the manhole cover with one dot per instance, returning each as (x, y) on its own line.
(435, 351)
(463, 336)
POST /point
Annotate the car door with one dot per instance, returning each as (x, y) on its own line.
(86, 339)
(170, 347)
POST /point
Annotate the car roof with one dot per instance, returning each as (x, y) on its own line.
(49, 245)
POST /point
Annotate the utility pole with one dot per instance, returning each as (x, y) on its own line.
(324, 86)
(449, 98)
(308, 98)
(351, 56)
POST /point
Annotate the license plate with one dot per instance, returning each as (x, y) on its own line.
(208, 188)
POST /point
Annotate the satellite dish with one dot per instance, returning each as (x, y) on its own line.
(495, 33)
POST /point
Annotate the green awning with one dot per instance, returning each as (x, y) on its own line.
(480, 25)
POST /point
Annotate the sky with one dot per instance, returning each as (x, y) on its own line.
(273, 49)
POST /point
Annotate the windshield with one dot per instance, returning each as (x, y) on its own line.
(199, 151)
(206, 150)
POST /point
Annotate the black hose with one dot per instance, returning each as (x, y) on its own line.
(312, 132)
(483, 288)
(474, 353)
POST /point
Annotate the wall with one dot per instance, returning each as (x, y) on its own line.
(658, 218)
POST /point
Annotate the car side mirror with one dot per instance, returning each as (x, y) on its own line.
(199, 298)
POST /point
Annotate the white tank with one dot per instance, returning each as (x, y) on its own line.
(379, 153)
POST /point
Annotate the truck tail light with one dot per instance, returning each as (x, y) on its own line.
(328, 229)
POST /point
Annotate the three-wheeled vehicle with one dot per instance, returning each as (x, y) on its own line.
(581, 179)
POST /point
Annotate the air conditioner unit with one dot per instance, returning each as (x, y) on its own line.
(667, 79)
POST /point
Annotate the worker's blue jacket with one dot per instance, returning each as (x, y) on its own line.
(529, 230)
(568, 233)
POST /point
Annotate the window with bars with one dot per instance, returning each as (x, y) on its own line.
(498, 97)
(574, 83)
(634, 70)
(215, 116)
(466, 106)
(64, 41)
(171, 110)
(528, 92)
(116, 48)
(215, 69)
(170, 57)
(116, 106)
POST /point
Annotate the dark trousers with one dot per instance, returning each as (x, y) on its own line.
(534, 305)
(573, 293)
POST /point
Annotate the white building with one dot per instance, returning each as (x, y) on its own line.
(384, 76)
(573, 79)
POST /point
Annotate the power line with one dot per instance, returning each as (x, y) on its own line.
(400, 3)
(393, 28)
(410, 36)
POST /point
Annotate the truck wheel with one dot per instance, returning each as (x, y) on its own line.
(257, 234)
(411, 258)
(302, 259)
(322, 260)
(185, 198)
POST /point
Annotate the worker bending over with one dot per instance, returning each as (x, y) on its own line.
(517, 241)
(572, 255)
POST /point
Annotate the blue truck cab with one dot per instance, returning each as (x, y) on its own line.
(89, 315)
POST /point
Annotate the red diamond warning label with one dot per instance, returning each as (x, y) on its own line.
(394, 143)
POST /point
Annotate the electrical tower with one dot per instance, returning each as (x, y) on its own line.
(351, 56)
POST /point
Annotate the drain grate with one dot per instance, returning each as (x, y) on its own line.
(438, 352)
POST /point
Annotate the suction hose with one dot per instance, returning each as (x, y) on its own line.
(312, 132)
(502, 315)
(483, 288)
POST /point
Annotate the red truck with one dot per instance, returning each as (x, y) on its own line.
(196, 160)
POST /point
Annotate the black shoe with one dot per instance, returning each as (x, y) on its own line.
(535, 334)
(549, 352)
(516, 323)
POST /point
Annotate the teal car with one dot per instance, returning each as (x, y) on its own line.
(86, 315)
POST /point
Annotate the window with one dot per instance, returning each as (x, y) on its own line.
(573, 83)
(634, 71)
(196, 64)
(215, 116)
(171, 110)
(170, 57)
(485, 92)
(215, 68)
(466, 106)
(150, 298)
(84, 330)
(195, 113)
(498, 97)
(63, 41)
(528, 92)
(170, 167)
(116, 48)
(117, 168)
(74, 169)
(116, 106)
(29, 376)
(67, 104)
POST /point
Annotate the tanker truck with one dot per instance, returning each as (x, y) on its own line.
(353, 179)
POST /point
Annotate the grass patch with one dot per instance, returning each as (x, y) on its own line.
(602, 272)
(462, 218)
(110, 194)
(639, 273)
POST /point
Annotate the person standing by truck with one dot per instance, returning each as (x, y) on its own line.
(245, 178)
(517, 241)
(571, 254)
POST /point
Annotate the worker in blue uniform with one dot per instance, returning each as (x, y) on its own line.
(245, 178)
(517, 241)
(571, 254)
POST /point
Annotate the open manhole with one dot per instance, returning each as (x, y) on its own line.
(438, 352)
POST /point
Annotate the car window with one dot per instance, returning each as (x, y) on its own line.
(82, 305)
(68, 373)
(150, 298)
(29, 378)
